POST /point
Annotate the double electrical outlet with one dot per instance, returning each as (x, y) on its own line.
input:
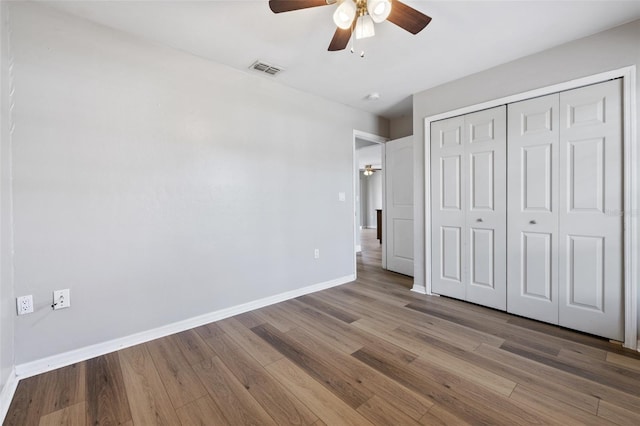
(61, 300)
(25, 304)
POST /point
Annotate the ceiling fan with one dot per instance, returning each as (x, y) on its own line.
(359, 16)
(369, 169)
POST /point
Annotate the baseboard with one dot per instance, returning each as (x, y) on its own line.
(417, 288)
(6, 394)
(67, 358)
(358, 248)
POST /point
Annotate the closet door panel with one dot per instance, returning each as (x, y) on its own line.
(532, 225)
(590, 214)
(447, 211)
(485, 202)
(451, 253)
(537, 275)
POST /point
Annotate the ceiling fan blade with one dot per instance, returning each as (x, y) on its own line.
(340, 39)
(407, 17)
(278, 6)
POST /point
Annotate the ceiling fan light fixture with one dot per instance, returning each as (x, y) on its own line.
(368, 170)
(379, 10)
(344, 14)
(364, 27)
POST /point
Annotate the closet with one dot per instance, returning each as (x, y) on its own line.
(527, 204)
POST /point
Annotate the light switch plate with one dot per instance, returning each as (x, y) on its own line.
(61, 299)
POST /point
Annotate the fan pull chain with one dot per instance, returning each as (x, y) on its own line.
(353, 41)
(353, 45)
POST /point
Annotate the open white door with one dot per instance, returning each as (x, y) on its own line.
(398, 212)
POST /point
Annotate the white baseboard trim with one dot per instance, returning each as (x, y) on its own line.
(6, 394)
(43, 365)
(358, 248)
(419, 289)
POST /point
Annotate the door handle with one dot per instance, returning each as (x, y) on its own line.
(479, 219)
(532, 222)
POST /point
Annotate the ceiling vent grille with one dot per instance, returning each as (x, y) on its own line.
(265, 68)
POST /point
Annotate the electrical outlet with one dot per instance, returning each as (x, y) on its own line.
(61, 299)
(316, 254)
(24, 304)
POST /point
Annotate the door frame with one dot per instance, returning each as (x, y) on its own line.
(630, 179)
(370, 137)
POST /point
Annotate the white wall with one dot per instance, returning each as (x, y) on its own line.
(7, 304)
(158, 186)
(609, 50)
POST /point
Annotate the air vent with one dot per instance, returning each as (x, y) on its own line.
(265, 68)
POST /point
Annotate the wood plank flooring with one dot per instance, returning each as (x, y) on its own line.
(366, 353)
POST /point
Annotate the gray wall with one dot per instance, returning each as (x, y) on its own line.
(609, 50)
(7, 306)
(401, 126)
(372, 187)
(370, 198)
(158, 186)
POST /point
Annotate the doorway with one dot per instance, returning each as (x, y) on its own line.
(369, 196)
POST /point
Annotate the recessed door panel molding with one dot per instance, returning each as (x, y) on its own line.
(536, 178)
(451, 136)
(450, 181)
(585, 269)
(536, 122)
(590, 238)
(482, 181)
(482, 250)
(536, 255)
(481, 130)
(586, 175)
(451, 253)
(532, 224)
(402, 229)
(398, 217)
(402, 164)
(588, 113)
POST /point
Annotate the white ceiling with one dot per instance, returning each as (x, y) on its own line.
(464, 37)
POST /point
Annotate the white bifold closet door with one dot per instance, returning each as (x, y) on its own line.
(468, 197)
(532, 242)
(565, 209)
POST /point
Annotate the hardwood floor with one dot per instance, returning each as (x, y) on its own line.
(367, 352)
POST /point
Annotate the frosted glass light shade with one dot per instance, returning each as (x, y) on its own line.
(364, 27)
(344, 14)
(379, 10)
